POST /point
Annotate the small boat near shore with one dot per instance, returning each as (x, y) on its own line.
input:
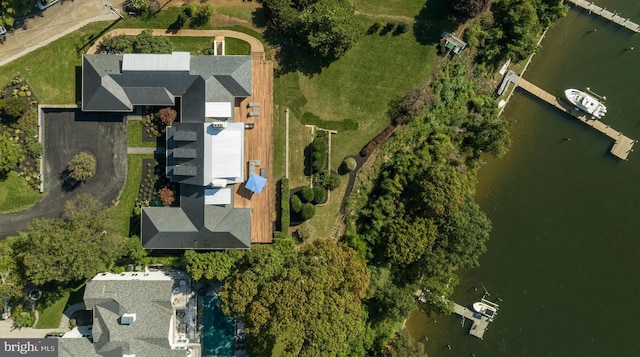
(586, 102)
(485, 309)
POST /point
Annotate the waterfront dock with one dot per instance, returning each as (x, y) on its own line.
(622, 146)
(606, 14)
(480, 322)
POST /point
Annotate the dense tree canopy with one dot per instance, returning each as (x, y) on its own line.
(11, 282)
(309, 303)
(145, 42)
(211, 265)
(468, 8)
(327, 28)
(74, 247)
(12, 9)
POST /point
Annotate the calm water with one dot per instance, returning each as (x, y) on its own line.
(564, 255)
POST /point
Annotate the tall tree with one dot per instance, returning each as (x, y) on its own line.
(311, 307)
(74, 247)
(211, 265)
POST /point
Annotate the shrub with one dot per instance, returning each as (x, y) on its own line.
(11, 152)
(308, 211)
(285, 214)
(403, 27)
(167, 115)
(319, 144)
(14, 107)
(28, 120)
(306, 194)
(189, 9)
(349, 164)
(296, 204)
(166, 196)
(305, 232)
(332, 182)
(23, 318)
(82, 166)
(319, 194)
(137, 6)
(32, 145)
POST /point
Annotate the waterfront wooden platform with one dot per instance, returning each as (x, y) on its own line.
(606, 14)
(480, 322)
(622, 146)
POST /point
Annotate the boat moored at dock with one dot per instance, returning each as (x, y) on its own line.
(485, 309)
(586, 102)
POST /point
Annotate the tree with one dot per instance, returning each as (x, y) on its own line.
(306, 194)
(349, 164)
(137, 6)
(167, 115)
(315, 296)
(319, 194)
(406, 239)
(15, 107)
(403, 345)
(296, 204)
(468, 8)
(144, 42)
(11, 282)
(166, 196)
(327, 28)
(211, 265)
(308, 211)
(75, 247)
(82, 166)
(12, 9)
(10, 153)
(305, 232)
(202, 16)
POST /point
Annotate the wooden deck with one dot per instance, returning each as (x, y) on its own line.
(606, 14)
(480, 323)
(258, 146)
(622, 146)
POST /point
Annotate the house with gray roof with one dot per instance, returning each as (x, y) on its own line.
(204, 150)
(133, 315)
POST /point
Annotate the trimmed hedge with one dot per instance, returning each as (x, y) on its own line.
(349, 164)
(308, 211)
(285, 214)
(306, 194)
(296, 204)
(319, 194)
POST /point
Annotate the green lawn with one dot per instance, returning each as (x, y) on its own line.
(239, 12)
(195, 45)
(409, 8)
(16, 194)
(134, 134)
(50, 315)
(123, 211)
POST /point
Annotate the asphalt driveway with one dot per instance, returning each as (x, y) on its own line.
(67, 132)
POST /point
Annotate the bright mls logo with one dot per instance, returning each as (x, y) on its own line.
(29, 347)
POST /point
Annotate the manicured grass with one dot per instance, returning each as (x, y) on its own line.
(409, 8)
(123, 211)
(358, 87)
(195, 45)
(134, 134)
(50, 315)
(16, 194)
(159, 20)
(239, 12)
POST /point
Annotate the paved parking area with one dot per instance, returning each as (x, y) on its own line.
(67, 132)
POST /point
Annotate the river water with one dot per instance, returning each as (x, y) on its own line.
(563, 261)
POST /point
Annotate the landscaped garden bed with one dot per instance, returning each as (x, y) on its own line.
(21, 149)
(155, 189)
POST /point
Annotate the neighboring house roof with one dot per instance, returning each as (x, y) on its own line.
(200, 155)
(148, 297)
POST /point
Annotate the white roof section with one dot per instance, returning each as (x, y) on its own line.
(176, 61)
(223, 153)
(218, 109)
(219, 196)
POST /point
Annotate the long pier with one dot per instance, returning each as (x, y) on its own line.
(480, 322)
(622, 146)
(606, 14)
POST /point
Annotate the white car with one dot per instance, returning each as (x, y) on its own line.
(2, 30)
(43, 4)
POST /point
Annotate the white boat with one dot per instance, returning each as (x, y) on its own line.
(586, 102)
(485, 309)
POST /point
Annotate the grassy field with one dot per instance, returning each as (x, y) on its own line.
(16, 194)
(122, 212)
(408, 8)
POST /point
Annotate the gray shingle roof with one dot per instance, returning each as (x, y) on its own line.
(150, 300)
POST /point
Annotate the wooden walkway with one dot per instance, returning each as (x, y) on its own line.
(480, 322)
(606, 14)
(622, 146)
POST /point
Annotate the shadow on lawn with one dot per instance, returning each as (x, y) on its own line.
(434, 18)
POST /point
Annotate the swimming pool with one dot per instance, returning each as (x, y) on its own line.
(217, 330)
